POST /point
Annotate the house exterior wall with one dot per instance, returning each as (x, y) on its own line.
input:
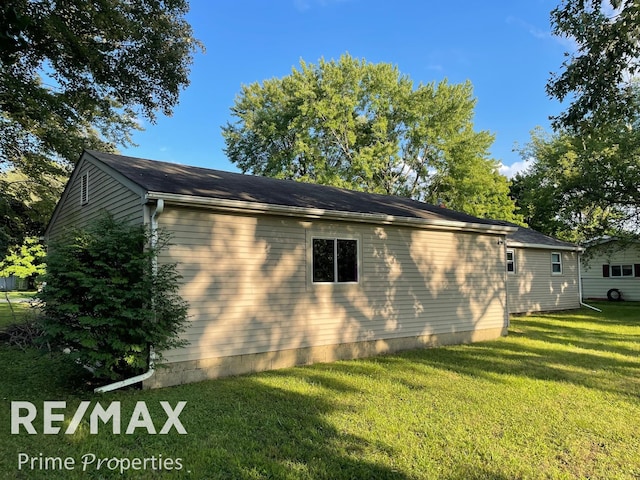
(105, 193)
(534, 288)
(595, 285)
(254, 306)
(8, 283)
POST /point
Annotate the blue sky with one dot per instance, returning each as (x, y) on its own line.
(504, 47)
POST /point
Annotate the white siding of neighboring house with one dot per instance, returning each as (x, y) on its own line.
(533, 287)
(247, 280)
(105, 193)
(596, 285)
(8, 283)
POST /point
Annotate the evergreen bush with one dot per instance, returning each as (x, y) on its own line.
(107, 303)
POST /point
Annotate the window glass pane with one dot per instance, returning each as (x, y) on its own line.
(616, 271)
(511, 262)
(627, 271)
(556, 263)
(323, 254)
(347, 261)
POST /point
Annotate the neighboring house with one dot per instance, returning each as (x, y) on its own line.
(8, 283)
(611, 270)
(543, 272)
(13, 283)
(279, 273)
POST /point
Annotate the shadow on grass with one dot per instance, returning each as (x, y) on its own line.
(239, 428)
(30, 373)
(263, 431)
(259, 427)
(543, 348)
(264, 427)
(283, 425)
(586, 338)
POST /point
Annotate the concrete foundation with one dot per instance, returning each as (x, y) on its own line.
(211, 368)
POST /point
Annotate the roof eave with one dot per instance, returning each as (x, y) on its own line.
(570, 248)
(317, 213)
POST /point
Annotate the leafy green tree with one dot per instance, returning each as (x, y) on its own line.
(582, 186)
(364, 126)
(107, 302)
(77, 74)
(23, 261)
(597, 78)
(590, 166)
(26, 205)
(537, 202)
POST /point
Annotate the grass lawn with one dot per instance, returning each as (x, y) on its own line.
(20, 308)
(14, 295)
(558, 398)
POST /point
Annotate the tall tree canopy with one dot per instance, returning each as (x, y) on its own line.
(364, 126)
(76, 74)
(26, 206)
(582, 186)
(597, 77)
(584, 181)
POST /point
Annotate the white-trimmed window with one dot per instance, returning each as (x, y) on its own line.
(556, 263)
(334, 260)
(511, 261)
(84, 189)
(621, 270)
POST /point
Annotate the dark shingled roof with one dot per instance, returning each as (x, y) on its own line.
(532, 237)
(171, 178)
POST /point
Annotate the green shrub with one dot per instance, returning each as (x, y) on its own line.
(106, 303)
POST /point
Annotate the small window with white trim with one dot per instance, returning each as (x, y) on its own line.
(556, 263)
(84, 189)
(335, 260)
(622, 270)
(511, 261)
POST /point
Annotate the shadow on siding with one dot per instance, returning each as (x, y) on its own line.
(246, 281)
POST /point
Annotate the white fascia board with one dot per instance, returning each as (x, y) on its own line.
(318, 213)
(569, 248)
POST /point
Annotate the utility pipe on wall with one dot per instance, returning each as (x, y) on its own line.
(152, 354)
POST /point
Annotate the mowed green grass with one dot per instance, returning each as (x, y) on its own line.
(20, 309)
(558, 398)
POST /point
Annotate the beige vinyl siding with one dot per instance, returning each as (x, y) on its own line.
(595, 285)
(534, 288)
(247, 280)
(105, 193)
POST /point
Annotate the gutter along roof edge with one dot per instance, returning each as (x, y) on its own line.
(317, 213)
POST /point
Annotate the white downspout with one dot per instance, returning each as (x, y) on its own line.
(132, 380)
(152, 354)
(506, 282)
(580, 288)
